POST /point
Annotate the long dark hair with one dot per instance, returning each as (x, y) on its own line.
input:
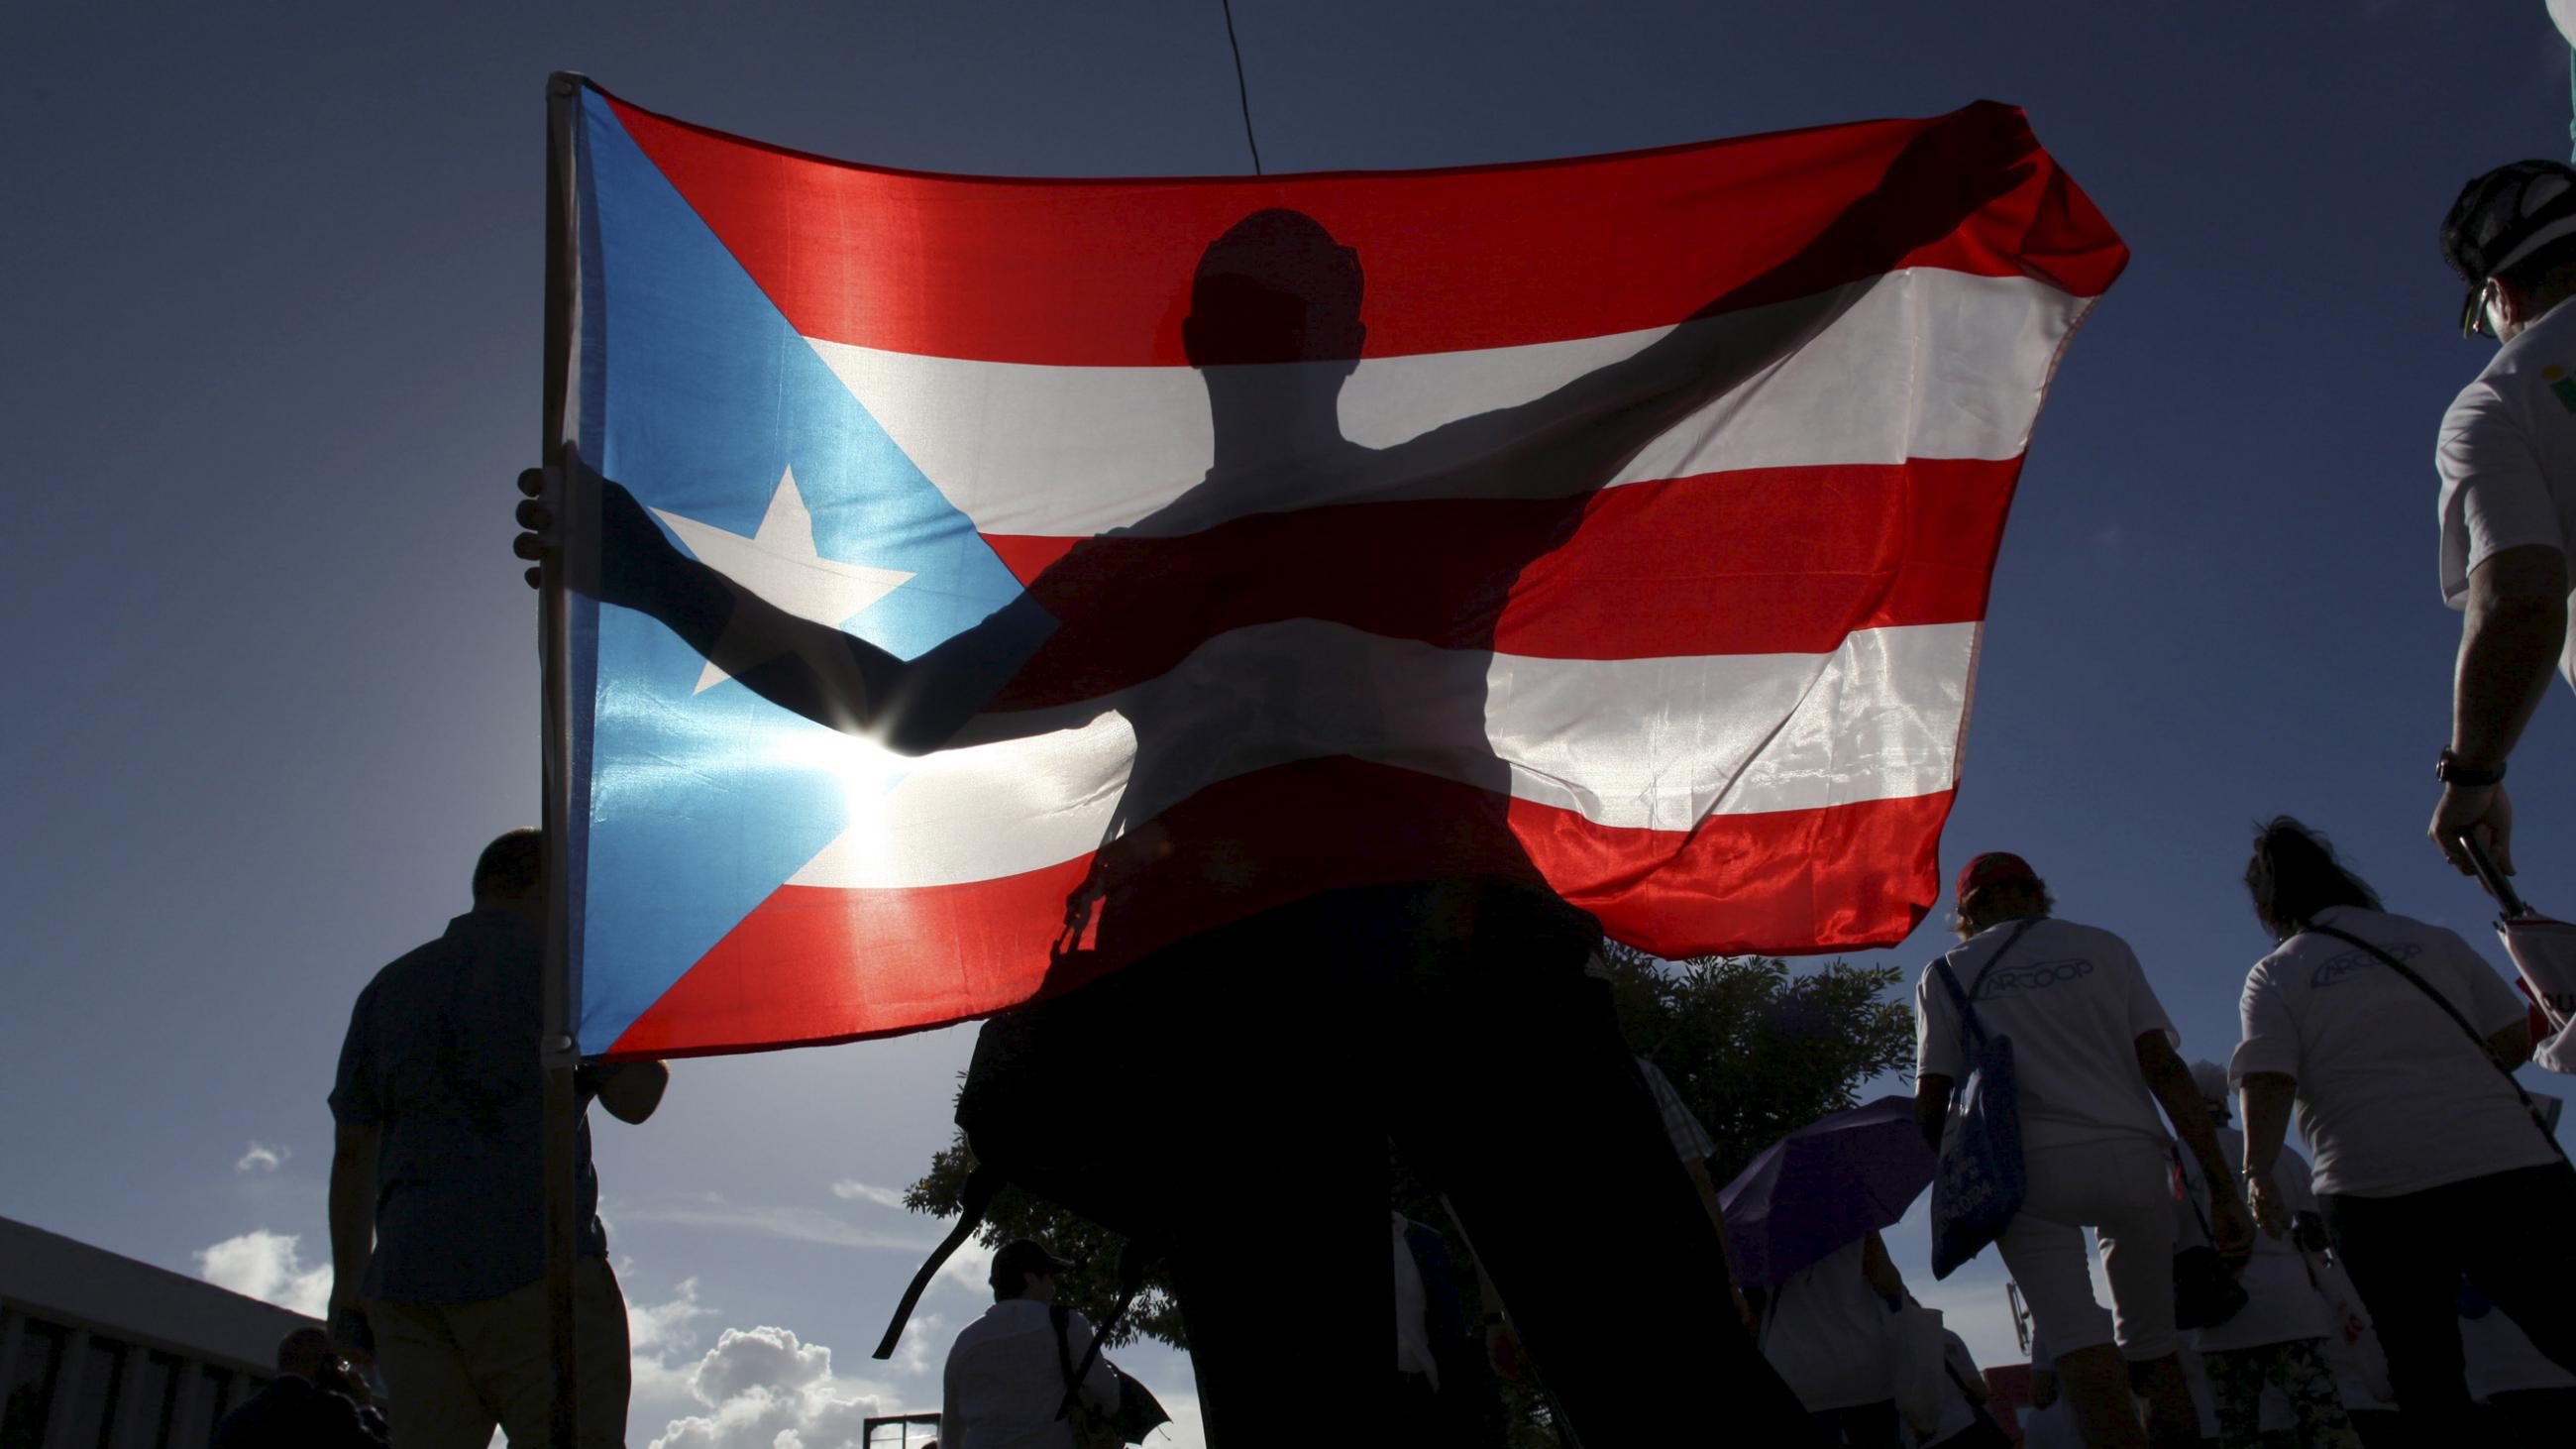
(2294, 875)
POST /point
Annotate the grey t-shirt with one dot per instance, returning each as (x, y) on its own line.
(441, 1057)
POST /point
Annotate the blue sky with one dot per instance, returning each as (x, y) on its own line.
(271, 295)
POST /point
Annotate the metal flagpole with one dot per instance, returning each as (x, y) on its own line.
(559, 1052)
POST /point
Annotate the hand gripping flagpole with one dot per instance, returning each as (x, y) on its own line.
(559, 1051)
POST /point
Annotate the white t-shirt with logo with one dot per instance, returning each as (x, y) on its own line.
(2393, 1096)
(2507, 457)
(2074, 1001)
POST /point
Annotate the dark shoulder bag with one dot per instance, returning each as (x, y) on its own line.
(2206, 1291)
(1982, 1181)
(2462, 1022)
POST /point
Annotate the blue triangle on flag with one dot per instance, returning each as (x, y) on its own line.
(699, 395)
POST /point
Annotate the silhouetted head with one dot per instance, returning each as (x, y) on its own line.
(306, 1352)
(1023, 1268)
(1997, 886)
(1275, 288)
(2294, 875)
(511, 871)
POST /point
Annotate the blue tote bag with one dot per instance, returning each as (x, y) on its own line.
(1981, 1182)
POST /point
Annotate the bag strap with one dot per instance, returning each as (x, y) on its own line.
(974, 1200)
(2453, 1012)
(1131, 1281)
(1969, 1025)
(1061, 1317)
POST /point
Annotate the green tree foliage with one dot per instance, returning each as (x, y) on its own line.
(1755, 1049)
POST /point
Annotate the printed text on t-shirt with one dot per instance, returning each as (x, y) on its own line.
(2335, 969)
(2005, 980)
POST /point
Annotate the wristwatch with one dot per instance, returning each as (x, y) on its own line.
(2451, 772)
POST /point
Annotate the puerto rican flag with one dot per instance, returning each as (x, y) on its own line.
(1703, 669)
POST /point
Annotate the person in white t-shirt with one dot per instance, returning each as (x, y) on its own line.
(2278, 1339)
(2094, 1054)
(2507, 459)
(2428, 1164)
(1825, 1328)
(1005, 1379)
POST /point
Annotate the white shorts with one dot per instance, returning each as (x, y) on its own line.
(2122, 1189)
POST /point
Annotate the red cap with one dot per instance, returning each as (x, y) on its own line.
(1992, 868)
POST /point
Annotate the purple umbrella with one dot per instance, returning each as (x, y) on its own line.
(1824, 1185)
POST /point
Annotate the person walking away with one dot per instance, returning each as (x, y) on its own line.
(2507, 460)
(1004, 1386)
(1825, 1328)
(2095, 1055)
(438, 1181)
(2278, 1339)
(2388, 1033)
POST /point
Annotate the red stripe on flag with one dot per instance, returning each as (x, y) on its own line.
(814, 965)
(1761, 561)
(973, 267)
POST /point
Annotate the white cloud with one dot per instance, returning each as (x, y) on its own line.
(763, 1388)
(262, 1158)
(796, 1224)
(924, 1335)
(268, 1266)
(655, 1331)
(970, 1268)
(654, 1327)
(852, 1190)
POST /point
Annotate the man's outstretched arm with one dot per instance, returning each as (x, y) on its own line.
(1574, 437)
(831, 677)
(2512, 631)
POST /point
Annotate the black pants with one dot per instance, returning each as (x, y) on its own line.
(2513, 1233)
(1283, 1054)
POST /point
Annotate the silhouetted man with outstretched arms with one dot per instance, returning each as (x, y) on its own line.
(1435, 995)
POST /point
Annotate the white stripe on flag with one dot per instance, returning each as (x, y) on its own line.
(1091, 449)
(1638, 743)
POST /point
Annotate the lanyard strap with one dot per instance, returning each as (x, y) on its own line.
(2462, 1022)
(1968, 1022)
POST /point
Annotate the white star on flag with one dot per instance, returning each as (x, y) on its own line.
(780, 564)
